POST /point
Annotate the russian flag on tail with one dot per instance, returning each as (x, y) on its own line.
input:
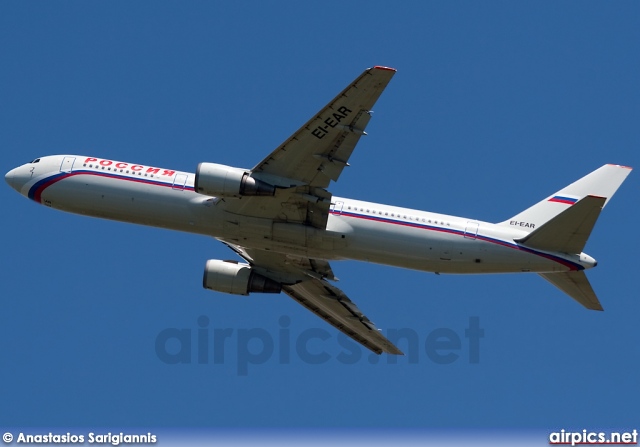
(562, 199)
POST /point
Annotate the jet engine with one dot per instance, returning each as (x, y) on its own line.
(236, 278)
(225, 181)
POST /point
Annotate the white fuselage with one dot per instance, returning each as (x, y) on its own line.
(356, 230)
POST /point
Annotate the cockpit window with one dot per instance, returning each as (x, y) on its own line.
(35, 161)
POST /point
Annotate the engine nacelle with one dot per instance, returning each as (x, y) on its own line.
(225, 181)
(236, 278)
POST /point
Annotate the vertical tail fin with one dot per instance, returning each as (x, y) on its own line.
(602, 182)
(563, 222)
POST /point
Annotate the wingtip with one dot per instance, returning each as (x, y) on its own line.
(382, 67)
(621, 166)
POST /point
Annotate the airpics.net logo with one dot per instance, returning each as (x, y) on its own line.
(589, 437)
(206, 344)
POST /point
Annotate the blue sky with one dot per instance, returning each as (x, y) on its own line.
(495, 105)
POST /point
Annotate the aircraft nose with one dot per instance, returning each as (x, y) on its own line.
(10, 178)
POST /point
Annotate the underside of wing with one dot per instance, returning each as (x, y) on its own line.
(332, 305)
(283, 268)
(303, 279)
(302, 167)
(318, 152)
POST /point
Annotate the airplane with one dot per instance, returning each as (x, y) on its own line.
(280, 218)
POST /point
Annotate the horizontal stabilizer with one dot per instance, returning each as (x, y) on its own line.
(568, 231)
(576, 285)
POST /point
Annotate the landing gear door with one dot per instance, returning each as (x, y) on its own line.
(67, 164)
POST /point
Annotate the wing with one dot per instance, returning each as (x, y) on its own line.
(331, 304)
(318, 152)
(304, 281)
(304, 165)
